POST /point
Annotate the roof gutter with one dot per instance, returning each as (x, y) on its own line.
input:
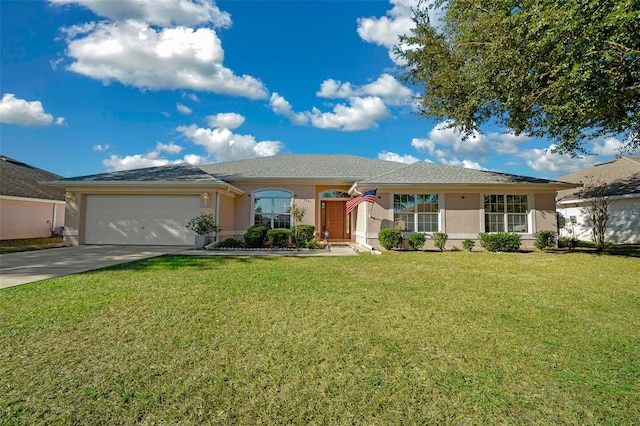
(128, 184)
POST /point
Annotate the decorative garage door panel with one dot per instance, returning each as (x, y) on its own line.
(140, 220)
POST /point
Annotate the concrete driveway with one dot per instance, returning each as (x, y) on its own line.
(32, 266)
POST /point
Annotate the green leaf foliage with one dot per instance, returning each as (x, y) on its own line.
(416, 240)
(302, 234)
(278, 237)
(566, 70)
(544, 239)
(500, 241)
(256, 235)
(468, 244)
(440, 240)
(390, 238)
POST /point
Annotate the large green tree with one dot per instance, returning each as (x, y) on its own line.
(569, 70)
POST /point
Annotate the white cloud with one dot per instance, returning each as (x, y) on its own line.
(101, 148)
(150, 159)
(386, 30)
(545, 161)
(361, 114)
(392, 156)
(281, 106)
(229, 120)
(610, 146)
(25, 113)
(183, 109)
(452, 141)
(385, 87)
(157, 12)
(467, 164)
(136, 54)
(169, 148)
(224, 145)
(191, 96)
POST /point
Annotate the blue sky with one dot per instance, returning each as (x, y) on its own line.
(90, 86)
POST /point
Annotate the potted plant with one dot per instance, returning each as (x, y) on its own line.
(203, 226)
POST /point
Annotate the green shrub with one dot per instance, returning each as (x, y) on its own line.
(203, 225)
(256, 235)
(313, 244)
(567, 242)
(468, 244)
(416, 240)
(390, 238)
(500, 241)
(544, 239)
(302, 234)
(278, 237)
(230, 243)
(440, 239)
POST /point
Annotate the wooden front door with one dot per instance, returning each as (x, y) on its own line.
(334, 219)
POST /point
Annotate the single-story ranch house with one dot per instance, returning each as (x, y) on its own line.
(152, 206)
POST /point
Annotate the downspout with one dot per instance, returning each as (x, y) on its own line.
(218, 194)
(55, 216)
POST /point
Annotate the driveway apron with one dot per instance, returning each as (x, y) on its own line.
(32, 266)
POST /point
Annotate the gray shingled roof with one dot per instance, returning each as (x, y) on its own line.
(173, 173)
(19, 179)
(423, 173)
(349, 168)
(620, 176)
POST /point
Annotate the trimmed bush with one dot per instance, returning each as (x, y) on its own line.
(544, 239)
(500, 241)
(567, 242)
(468, 244)
(230, 243)
(390, 238)
(256, 235)
(416, 240)
(440, 239)
(313, 244)
(278, 237)
(302, 234)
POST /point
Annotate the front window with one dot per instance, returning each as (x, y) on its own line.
(415, 212)
(506, 213)
(271, 208)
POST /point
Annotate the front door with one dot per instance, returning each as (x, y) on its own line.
(334, 219)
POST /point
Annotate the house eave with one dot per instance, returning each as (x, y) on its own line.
(76, 185)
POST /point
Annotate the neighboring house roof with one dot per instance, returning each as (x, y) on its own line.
(620, 177)
(19, 179)
(421, 173)
(340, 167)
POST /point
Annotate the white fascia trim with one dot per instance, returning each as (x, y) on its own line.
(32, 200)
(172, 184)
(610, 197)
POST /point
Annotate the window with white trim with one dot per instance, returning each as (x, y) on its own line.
(271, 207)
(506, 213)
(415, 212)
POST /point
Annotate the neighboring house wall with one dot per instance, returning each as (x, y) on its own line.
(29, 218)
(623, 226)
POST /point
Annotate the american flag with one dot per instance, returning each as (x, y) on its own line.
(369, 197)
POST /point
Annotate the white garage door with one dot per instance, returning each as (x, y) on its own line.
(140, 220)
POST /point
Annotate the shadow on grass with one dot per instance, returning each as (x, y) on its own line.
(623, 250)
(172, 261)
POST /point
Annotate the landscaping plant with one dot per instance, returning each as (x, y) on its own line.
(544, 239)
(440, 240)
(390, 238)
(500, 241)
(416, 240)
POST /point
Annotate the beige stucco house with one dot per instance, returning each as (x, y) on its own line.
(27, 208)
(620, 181)
(152, 206)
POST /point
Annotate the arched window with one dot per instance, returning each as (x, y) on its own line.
(271, 208)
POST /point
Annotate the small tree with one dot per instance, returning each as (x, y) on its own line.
(297, 214)
(597, 207)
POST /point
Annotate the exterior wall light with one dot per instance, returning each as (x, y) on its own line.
(206, 197)
(69, 196)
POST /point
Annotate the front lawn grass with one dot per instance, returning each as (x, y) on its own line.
(402, 338)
